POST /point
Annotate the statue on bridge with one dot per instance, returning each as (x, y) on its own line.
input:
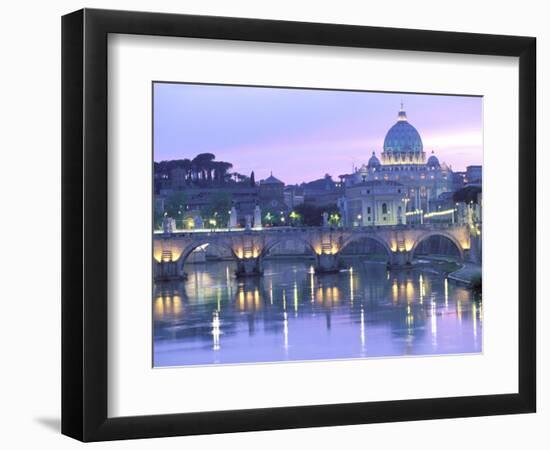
(232, 218)
(168, 225)
(257, 217)
(325, 219)
(199, 224)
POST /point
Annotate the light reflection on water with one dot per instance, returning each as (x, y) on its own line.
(291, 314)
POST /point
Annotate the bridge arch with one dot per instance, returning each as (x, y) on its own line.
(371, 237)
(443, 234)
(187, 250)
(279, 240)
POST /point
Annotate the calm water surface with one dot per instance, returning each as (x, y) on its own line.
(291, 314)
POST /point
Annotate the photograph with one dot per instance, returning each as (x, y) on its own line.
(295, 224)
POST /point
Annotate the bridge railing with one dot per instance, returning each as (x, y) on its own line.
(305, 229)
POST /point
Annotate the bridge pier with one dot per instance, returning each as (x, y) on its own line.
(249, 267)
(400, 259)
(473, 254)
(327, 263)
(168, 271)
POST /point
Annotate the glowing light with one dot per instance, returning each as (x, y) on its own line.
(311, 283)
(362, 329)
(241, 298)
(228, 282)
(335, 292)
(159, 308)
(320, 295)
(166, 256)
(410, 317)
(409, 291)
(285, 330)
(439, 213)
(249, 299)
(421, 287)
(395, 291)
(216, 331)
(351, 287)
(474, 319)
(434, 323)
(177, 305)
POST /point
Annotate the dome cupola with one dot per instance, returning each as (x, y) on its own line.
(433, 161)
(374, 162)
(402, 136)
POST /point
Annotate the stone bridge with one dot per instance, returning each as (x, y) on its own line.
(250, 246)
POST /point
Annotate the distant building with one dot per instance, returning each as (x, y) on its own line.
(197, 199)
(444, 202)
(293, 196)
(271, 193)
(321, 192)
(473, 176)
(459, 180)
(375, 202)
(403, 160)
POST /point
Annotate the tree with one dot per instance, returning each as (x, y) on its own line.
(312, 216)
(334, 219)
(201, 170)
(157, 219)
(252, 179)
(295, 218)
(175, 205)
(202, 165)
(220, 170)
(216, 212)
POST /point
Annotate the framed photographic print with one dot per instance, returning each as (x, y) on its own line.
(273, 224)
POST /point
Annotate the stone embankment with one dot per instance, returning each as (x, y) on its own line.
(469, 274)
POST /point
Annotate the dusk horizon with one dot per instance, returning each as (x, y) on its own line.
(304, 134)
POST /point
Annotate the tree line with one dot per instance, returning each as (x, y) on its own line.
(202, 170)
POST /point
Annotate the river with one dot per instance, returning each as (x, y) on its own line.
(291, 314)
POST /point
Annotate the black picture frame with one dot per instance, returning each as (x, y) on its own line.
(84, 224)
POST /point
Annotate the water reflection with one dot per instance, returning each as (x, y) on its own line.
(292, 314)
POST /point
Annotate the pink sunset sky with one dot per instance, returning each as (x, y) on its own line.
(302, 134)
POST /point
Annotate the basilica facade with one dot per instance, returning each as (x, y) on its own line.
(403, 180)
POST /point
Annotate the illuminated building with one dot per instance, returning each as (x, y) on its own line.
(416, 181)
